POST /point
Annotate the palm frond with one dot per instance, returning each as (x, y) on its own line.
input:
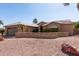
(66, 4)
(1, 23)
(78, 6)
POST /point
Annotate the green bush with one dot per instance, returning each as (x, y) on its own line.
(51, 30)
(46, 30)
(54, 29)
(35, 30)
(2, 31)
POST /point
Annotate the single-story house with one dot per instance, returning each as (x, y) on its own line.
(63, 26)
(11, 29)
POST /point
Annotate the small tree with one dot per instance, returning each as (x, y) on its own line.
(66, 4)
(1, 23)
(35, 21)
(2, 31)
(76, 25)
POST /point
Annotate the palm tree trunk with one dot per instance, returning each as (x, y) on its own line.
(78, 6)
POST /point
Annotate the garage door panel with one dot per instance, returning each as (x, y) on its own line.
(11, 32)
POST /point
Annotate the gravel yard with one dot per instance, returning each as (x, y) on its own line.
(36, 47)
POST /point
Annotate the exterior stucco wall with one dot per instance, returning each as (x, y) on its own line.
(12, 29)
(41, 35)
(67, 28)
(52, 25)
(29, 28)
(62, 27)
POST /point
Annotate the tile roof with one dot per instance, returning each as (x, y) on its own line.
(64, 22)
(46, 23)
(17, 23)
(60, 22)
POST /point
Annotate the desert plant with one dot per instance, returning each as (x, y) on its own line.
(76, 25)
(67, 4)
(2, 31)
(35, 30)
(51, 30)
(46, 30)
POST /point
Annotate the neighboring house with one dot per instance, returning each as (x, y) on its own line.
(63, 26)
(11, 29)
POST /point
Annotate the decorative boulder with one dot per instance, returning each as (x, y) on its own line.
(69, 50)
(1, 38)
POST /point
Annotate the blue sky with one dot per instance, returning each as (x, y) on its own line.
(11, 13)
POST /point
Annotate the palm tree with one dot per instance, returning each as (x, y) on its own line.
(78, 6)
(1, 30)
(35, 21)
(1, 23)
(67, 4)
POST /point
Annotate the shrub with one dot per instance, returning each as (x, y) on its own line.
(2, 31)
(51, 30)
(35, 30)
(46, 30)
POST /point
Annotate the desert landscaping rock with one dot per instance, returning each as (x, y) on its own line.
(1, 38)
(36, 47)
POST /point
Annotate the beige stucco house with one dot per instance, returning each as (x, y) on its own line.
(63, 26)
(11, 29)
